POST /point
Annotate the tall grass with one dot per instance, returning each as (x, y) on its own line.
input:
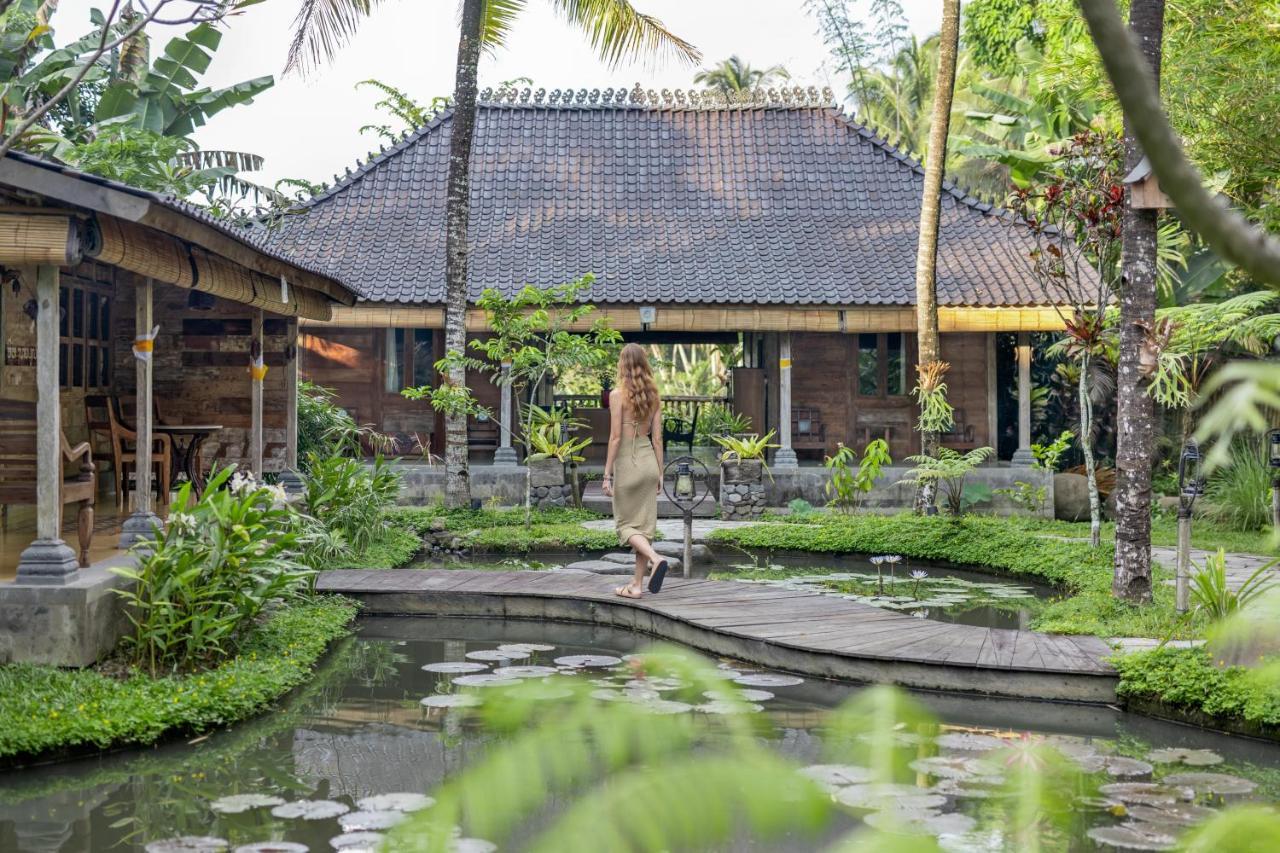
(1240, 491)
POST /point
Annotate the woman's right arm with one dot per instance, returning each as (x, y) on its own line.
(615, 439)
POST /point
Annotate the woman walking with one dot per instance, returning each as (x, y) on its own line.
(633, 468)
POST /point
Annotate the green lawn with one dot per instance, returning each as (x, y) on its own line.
(503, 530)
(1205, 533)
(45, 708)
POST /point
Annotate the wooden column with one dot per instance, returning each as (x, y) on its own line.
(505, 455)
(255, 423)
(292, 368)
(785, 457)
(993, 398)
(1022, 456)
(141, 523)
(48, 560)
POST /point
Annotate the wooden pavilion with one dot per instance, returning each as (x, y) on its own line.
(773, 219)
(89, 268)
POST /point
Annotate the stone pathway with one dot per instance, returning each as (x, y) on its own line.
(1240, 567)
(673, 528)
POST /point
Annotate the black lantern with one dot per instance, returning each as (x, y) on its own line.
(1190, 481)
(1273, 457)
(684, 480)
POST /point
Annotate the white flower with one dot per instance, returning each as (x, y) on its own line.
(277, 493)
(183, 522)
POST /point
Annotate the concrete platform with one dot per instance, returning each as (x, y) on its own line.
(803, 632)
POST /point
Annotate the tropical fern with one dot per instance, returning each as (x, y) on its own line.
(948, 469)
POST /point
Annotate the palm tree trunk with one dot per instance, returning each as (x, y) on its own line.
(457, 215)
(929, 349)
(1135, 410)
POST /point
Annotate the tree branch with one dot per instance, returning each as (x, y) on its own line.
(1229, 233)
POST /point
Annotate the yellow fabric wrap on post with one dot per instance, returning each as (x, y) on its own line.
(784, 363)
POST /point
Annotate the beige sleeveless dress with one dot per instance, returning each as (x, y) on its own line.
(635, 485)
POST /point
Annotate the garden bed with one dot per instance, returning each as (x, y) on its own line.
(49, 713)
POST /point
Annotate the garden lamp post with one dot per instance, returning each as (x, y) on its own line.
(1190, 487)
(680, 483)
(1273, 457)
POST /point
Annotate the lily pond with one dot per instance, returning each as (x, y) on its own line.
(387, 719)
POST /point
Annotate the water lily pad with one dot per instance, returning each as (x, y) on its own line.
(1101, 804)
(921, 823)
(889, 796)
(311, 810)
(526, 647)
(1132, 836)
(1145, 793)
(1179, 814)
(525, 671)
(456, 667)
(1119, 766)
(973, 789)
(768, 679)
(451, 700)
(273, 847)
(969, 741)
(1191, 757)
(1212, 783)
(188, 844)
(365, 821)
(955, 767)
(472, 845)
(745, 695)
(720, 707)
(404, 802)
(488, 679)
(353, 840)
(579, 661)
(604, 694)
(239, 803)
(496, 655)
(838, 775)
(666, 706)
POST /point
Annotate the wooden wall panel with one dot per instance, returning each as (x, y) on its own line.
(967, 381)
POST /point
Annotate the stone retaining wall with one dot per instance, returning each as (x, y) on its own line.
(742, 501)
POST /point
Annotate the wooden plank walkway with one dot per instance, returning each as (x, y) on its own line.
(791, 629)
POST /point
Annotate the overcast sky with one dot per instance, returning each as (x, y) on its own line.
(309, 127)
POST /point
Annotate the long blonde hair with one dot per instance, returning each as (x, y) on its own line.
(635, 379)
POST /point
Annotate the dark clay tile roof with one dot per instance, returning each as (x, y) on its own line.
(794, 203)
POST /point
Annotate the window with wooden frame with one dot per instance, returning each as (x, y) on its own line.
(408, 360)
(882, 365)
(84, 331)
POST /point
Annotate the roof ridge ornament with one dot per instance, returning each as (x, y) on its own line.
(678, 99)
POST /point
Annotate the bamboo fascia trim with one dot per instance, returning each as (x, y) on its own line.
(626, 318)
(39, 238)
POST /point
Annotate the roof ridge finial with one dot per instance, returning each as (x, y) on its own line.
(639, 96)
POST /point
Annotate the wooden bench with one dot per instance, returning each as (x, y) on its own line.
(678, 430)
(18, 469)
(808, 432)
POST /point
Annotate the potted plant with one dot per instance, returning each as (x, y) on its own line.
(742, 470)
(551, 449)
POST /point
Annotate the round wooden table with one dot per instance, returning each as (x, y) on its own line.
(187, 439)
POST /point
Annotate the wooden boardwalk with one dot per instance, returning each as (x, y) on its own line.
(788, 629)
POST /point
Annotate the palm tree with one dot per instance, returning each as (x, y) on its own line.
(1135, 413)
(732, 75)
(617, 31)
(930, 208)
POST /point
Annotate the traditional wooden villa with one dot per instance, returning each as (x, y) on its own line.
(141, 336)
(775, 219)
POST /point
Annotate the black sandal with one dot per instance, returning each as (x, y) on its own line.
(658, 576)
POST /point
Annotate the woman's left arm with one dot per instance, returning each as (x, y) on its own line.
(655, 434)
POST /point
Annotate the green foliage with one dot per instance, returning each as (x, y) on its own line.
(44, 708)
(948, 469)
(543, 431)
(1244, 829)
(203, 580)
(402, 107)
(327, 429)
(392, 547)
(720, 420)
(800, 507)
(1048, 455)
(143, 158)
(742, 448)
(936, 414)
(1189, 680)
(349, 497)
(1001, 545)
(1240, 490)
(847, 489)
(1026, 496)
(994, 28)
(974, 495)
(1213, 594)
(505, 530)
(733, 75)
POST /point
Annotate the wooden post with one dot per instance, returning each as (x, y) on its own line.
(1182, 580)
(786, 456)
(292, 368)
(1022, 456)
(48, 560)
(255, 399)
(993, 398)
(505, 455)
(139, 526)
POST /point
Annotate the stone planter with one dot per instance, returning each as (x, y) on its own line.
(742, 489)
(547, 484)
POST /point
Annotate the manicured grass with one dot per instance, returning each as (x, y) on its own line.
(394, 546)
(1081, 572)
(1188, 680)
(1205, 533)
(44, 708)
(503, 530)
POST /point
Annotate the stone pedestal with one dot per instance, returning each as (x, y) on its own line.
(505, 457)
(291, 482)
(742, 492)
(48, 562)
(785, 458)
(76, 623)
(547, 486)
(138, 527)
